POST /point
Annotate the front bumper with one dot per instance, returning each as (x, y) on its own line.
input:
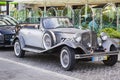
(6, 44)
(81, 56)
(7, 41)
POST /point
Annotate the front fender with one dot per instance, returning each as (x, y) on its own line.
(74, 45)
(107, 44)
(21, 40)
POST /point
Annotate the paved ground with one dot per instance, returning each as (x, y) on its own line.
(11, 70)
(34, 66)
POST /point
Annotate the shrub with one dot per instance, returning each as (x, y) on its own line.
(111, 32)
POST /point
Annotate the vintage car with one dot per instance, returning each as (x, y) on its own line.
(7, 30)
(58, 35)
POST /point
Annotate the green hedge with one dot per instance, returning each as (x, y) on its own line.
(111, 32)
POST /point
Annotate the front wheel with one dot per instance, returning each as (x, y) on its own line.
(67, 58)
(17, 49)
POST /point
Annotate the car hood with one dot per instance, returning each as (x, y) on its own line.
(7, 30)
(68, 30)
(63, 33)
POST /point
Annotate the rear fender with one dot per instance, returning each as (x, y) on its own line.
(107, 44)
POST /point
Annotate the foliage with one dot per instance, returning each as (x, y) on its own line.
(51, 12)
(111, 32)
(86, 9)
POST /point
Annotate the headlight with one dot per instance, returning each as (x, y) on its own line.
(1, 38)
(89, 45)
(13, 31)
(1, 34)
(104, 36)
(99, 41)
(78, 39)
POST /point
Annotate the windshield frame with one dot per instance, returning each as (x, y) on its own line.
(58, 21)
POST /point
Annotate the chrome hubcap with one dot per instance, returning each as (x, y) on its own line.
(17, 48)
(64, 58)
(47, 41)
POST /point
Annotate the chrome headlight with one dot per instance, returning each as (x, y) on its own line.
(89, 45)
(99, 41)
(1, 38)
(77, 38)
(104, 36)
(1, 34)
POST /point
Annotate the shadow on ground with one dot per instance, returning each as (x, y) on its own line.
(52, 63)
(6, 49)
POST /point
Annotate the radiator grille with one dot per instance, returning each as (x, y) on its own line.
(8, 36)
(89, 38)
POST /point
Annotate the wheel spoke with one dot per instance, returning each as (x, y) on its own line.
(64, 58)
(47, 41)
(17, 48)
(67, 58)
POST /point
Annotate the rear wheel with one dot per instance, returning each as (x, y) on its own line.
(112, 59)
(17, 49)
(47, 40)
(67, 58)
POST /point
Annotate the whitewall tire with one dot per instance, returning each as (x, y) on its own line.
(67, 58)
(17, 49)
(47, 40)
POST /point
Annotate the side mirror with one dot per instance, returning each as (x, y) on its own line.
(18, 27)
(37, 26)
(40, 27)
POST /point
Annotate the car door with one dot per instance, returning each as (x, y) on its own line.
(35, 37)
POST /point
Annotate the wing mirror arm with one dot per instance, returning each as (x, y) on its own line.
(18, 27)
(40, 27)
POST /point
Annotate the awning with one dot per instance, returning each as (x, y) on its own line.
(4, 3)
(65, 2)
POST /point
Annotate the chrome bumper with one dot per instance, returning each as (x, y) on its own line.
(80, 56)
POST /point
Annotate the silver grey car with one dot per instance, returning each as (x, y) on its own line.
(58, 35)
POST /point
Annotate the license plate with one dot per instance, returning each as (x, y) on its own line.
(99, 58)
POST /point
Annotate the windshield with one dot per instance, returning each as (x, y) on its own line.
(7, 20)
(5, 23)
(51, 23)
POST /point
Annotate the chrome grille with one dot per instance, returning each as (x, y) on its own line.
(85, 39)
(8, 36)
(94, 40)
(89, 38)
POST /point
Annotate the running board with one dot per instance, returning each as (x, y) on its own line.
(32, 50)
(80, 56)
(36, 50)
(39, 50)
